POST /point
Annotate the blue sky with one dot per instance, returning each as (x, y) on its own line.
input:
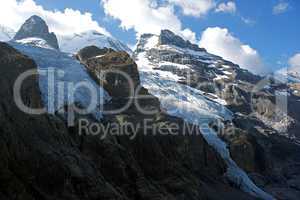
(269, 27)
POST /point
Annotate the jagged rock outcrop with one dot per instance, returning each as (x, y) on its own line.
(116, 71)
(42, 158)
(169, 38)
(36, 27)
(91, 51)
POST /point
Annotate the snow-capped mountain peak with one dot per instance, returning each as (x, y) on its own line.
(167, 37)
(36, 27)
(73, 43)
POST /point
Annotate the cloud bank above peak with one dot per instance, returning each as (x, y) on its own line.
(13, 13)
(146, 16)
(221, 42)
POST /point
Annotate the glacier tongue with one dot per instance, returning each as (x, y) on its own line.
(59, 75)
(191, 105)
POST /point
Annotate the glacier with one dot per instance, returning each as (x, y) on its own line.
(59, 75)
(193, 106)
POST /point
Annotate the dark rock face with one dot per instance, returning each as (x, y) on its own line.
(168, 37)
(116, 71)
(91, 51)
(37, 27)
(41, 158)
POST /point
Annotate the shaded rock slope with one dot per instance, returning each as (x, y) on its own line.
(42, 158)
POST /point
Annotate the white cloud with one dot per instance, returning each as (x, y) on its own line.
(248, 21)
(294, 63)
(190, 35)
(280, 8)
(146, 16)
(194, 8)
(221, 42)
(13, 13)
(228, 7)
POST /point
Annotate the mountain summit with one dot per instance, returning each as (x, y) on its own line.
(36, 27)
(167, 37)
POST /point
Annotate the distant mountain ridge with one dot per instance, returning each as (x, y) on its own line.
(75, 42)
(35, 28)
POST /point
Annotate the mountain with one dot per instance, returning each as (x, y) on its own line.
(218, 79)
(88, 165)
(190, 125)
(36, 27)
(203, 88)
(6, 33)
(73, 43)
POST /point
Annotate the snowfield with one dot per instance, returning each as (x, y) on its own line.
(193, 106)
(36, 42)
(73, 43)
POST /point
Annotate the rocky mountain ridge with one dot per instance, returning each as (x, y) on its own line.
(34, 148)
